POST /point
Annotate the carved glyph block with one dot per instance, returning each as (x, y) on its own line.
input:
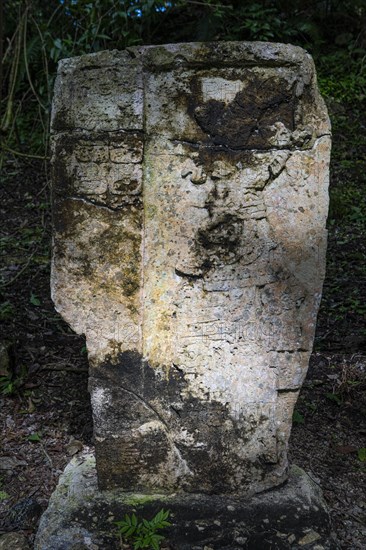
(190, 202)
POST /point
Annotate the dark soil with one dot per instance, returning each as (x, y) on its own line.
(47, 382)
(44, 403)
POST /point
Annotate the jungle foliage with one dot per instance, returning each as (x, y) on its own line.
(35, 35)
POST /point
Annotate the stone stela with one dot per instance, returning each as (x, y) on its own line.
(190, 196)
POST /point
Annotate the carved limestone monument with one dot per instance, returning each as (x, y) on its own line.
(190, 202)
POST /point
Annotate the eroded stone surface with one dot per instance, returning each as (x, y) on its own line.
(190, 202)
(81, 517)
(14, 541)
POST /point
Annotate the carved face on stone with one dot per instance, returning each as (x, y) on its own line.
(226, 234)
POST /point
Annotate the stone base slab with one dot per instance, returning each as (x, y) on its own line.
(81, 517)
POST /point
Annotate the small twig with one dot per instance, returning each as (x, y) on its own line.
(13, 75)
(46, 454)
(208, 5)
(350, 515)
(27, 155)
(65, 367)
(44, 56)
(25, 55)
(3, 285)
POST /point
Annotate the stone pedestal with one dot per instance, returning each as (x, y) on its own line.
(190, 202)
(80, 517)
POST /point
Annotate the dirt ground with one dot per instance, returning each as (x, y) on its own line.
(45, 412)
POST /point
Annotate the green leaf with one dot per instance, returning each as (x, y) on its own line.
(362, 454)
(34, 437)
(120, 524)
(130, 531)
(124, 529)
(354, 383)
(298, 418)
(7, 387)
(165, 524)
(103, 36)
(34, 300)
(146, 540)
(6, 311)
(334, 397)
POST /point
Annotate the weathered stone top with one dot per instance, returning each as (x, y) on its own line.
(278, 75)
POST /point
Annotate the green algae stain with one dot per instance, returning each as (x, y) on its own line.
(137, 499)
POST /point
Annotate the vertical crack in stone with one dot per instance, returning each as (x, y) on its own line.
(146, 404)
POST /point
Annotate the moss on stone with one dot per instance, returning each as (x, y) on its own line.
(138, 499)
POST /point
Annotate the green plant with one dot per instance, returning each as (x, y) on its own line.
(143, 533)
(10, 383)
(3, 494)
(6, 311)
(362, 454)
(348, 205)
(7, 385)
(334, 397)
(297, 418)
(265, 23)
(343, 85)
(34, 300)
(312, 407)
(34, 438)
